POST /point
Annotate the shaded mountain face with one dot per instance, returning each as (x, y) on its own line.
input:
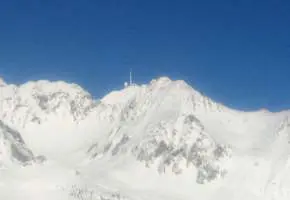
(13, 148)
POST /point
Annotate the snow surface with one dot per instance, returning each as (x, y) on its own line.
(163, 140)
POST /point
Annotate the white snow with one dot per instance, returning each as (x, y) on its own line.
(163, 140)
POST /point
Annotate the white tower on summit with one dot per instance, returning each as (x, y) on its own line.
(126, 84)
(131, 81)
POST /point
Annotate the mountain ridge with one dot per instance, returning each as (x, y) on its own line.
(165, 129)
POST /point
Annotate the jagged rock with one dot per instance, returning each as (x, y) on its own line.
(13, 148)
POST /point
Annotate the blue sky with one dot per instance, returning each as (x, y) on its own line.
(235, 51)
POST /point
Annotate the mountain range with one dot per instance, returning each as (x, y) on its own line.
(161, 140)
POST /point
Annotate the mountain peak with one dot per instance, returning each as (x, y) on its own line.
(162, 80)
(52, 86)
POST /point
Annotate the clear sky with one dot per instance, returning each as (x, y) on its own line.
(235, 51)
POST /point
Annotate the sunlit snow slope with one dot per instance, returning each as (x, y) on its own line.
(163, 140)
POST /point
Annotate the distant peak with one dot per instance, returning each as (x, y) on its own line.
(164, 79)
(264, 110)
(161, 81)
(47, 86)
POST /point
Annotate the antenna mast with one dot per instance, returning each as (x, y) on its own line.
(131, 77)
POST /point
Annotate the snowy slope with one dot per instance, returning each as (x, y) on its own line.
(163, 140)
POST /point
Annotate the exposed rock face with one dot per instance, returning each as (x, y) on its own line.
(157, 125)
(13, 148)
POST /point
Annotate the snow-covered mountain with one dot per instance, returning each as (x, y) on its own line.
(46, 113)
(157, 124)
(163, 140)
